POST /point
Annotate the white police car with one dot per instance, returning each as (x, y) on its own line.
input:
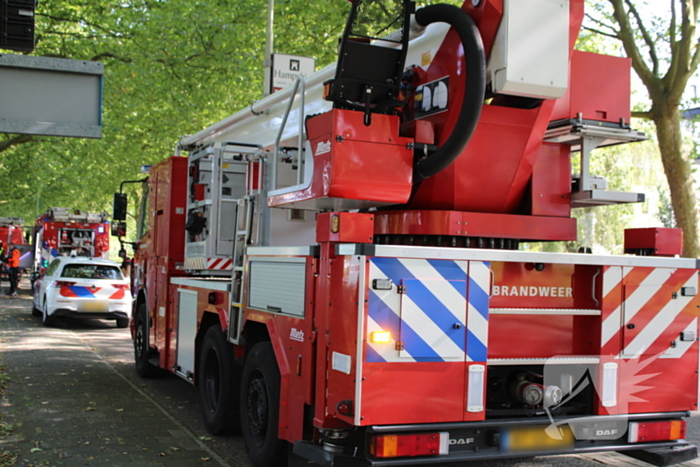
(81, 287)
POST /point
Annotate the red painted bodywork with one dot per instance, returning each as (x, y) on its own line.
(352, 227)
(593, 95)
(12, 233)
(162, 247)
(354, 161)
(657, 241)
(294, 340)
(507, 183)
(474, 224)
(50, 232)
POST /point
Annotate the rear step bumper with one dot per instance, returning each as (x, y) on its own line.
(663, 457)
(484, 443)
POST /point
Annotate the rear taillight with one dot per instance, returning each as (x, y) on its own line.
(121, 286)
(425, 444)
(642, 432)
(64, 288)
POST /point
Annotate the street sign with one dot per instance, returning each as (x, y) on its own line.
(50, 96)
(287, 68)
(17, 25)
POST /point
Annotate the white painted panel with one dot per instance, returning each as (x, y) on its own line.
(530, 56)
(186, 330)
(277, 286)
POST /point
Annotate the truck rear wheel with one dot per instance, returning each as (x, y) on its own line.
(141, 347)
(219, 381)
(260, 397)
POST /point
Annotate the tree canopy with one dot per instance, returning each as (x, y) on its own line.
(174, 67)
(664, 47)
(171, 68)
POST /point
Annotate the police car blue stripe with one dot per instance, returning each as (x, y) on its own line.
(82, 292)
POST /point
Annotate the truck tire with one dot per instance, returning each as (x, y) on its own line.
(219, 381)
(141, 349)
(260, 397)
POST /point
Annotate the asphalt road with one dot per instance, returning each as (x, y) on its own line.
(148, 422)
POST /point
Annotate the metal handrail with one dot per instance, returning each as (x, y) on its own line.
(275, 157)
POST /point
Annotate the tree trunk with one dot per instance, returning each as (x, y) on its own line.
(680, 178)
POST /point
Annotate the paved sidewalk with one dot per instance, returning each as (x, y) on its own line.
(71, 408)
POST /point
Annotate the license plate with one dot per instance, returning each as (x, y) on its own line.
(530, 439)
(94, 306)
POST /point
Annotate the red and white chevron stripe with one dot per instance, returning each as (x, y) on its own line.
(219, 263)
(644, 310)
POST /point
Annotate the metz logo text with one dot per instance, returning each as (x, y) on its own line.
(296, 335)
(323, 147)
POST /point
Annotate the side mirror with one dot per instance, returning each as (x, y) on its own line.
(119, 207)
(118, 229)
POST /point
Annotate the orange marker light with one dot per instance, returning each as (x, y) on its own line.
(380, 337)
(335, 223)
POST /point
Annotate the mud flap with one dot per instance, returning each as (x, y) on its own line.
(664, 456)
(316, 454)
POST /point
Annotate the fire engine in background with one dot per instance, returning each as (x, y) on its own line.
(66, 232)
(12, 230)
(337, 268)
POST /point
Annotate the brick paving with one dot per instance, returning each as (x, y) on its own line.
(69, 407)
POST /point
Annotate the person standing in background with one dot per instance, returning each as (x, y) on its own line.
(13, 255)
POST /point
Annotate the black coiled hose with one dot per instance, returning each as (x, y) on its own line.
(473, 94)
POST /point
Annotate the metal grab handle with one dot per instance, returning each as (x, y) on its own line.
(245, 145)
(597, 303)
(275, 157)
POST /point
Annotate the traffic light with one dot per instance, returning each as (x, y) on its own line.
(17, 25)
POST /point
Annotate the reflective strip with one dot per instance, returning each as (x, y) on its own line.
(432, 320)
(478, 311)
(219, 263)
(613, 323)
(659, 323)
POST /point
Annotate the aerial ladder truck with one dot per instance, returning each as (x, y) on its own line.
(337, 267)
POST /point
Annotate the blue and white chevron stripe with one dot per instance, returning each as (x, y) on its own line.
(441, 316)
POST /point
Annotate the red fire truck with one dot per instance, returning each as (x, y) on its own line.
(65, 232)
(337, 267)
(11, 230)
